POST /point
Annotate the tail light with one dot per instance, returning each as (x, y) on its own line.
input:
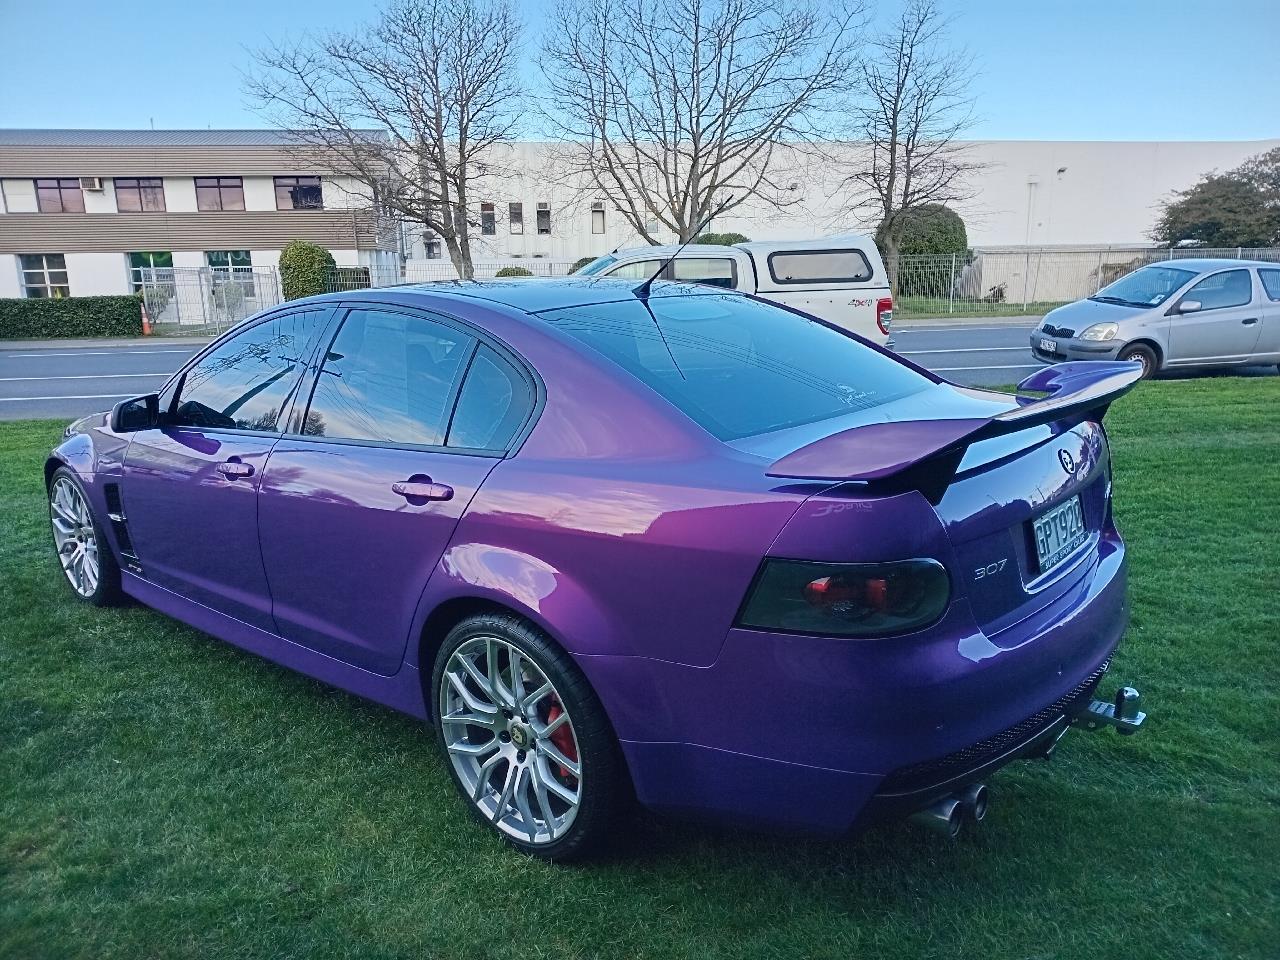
(846, 599)
(884, 314)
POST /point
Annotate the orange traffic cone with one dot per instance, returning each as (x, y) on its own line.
(146, 321)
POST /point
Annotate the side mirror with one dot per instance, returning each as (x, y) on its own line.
(1190, 306)
(140, 413)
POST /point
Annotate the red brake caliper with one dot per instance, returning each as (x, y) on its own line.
(563, 737)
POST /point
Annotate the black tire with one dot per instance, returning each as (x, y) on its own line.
(1144, 355)
(106, 591)
(602, 785)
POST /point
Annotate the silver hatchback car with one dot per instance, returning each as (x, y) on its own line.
(1175, 313)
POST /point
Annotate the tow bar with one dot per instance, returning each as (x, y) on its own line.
(1124, 713)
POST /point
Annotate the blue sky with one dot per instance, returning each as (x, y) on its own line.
(1049, 69)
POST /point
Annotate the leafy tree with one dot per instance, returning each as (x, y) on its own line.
(722, 239)
(305, 269)
(1239, 208)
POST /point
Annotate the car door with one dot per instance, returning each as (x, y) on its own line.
(190, 486)
(361, 498)
(1268, 345)
(1225, 327)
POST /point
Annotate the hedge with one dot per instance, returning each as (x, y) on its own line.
(514, 272)
(38, 319)
(305, 268)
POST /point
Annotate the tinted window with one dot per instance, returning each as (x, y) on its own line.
(1271, 282)
(739, 367)
(713, 271)
(494, 402)
(243, 383)
(388, 377)
(819, 266)
(1232, 288)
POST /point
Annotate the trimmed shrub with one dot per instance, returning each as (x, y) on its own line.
(929, 231)
(514, 272)
(720, 239)
(579, 264)
(70, 317)
(305, 269)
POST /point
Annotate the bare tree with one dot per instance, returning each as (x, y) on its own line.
(669, 107)
(436, 79)
(915, 105)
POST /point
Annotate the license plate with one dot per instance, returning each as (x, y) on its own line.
(1058, 533)
(1049, 346)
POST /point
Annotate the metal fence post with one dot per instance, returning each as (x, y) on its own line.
(951, 287)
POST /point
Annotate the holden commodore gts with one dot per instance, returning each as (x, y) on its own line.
(664, 543)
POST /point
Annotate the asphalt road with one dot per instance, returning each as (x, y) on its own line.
(68, 380)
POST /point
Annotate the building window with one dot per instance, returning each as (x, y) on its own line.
(139, 194)
(151, 267)
(488, 220)
(597, 217)
(219, 193)
(44, 275)
(515, 216)
(61, 195)
(230, 269)
(431, 246)
(299, 193)
(544, 218)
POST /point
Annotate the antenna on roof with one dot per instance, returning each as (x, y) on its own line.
(642, 291)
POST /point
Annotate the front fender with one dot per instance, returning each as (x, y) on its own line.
(76, 452)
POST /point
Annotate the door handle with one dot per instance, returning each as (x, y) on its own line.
(1250, 321)
(235, 470)
(422, 490)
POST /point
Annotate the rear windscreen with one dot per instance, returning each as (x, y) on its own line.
(737, 366)
(820, 266)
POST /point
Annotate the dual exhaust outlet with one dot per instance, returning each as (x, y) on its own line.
(948, 817)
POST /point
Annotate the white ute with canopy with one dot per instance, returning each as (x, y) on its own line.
(840, 279)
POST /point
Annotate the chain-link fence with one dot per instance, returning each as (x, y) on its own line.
(1005, 281)
(1015, 281)
(206, 300)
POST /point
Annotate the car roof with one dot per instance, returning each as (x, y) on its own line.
(527, 294)
(1205, 264)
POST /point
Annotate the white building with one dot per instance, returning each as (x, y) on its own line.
(1037, 193)
(84, 212)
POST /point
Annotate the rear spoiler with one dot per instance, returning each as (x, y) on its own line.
(924, 453)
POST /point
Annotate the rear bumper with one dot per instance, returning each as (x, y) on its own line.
(813, 734)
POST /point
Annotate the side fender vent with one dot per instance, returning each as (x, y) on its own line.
(120, 526)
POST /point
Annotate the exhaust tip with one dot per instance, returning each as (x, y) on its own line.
(975, 799)
(945, 817)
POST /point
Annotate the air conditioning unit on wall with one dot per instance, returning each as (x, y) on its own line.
(90, 183)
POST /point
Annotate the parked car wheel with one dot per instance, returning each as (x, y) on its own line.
(82, 549)
(528, 743)
(1144, 355)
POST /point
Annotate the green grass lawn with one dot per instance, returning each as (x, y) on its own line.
(917, 308)
(165, 795)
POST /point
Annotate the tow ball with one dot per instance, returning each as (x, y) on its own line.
(1124, 713)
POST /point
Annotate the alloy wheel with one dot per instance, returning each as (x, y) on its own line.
(74, 536)
(511, 740)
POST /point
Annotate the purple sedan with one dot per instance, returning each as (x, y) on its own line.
(679, 545)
